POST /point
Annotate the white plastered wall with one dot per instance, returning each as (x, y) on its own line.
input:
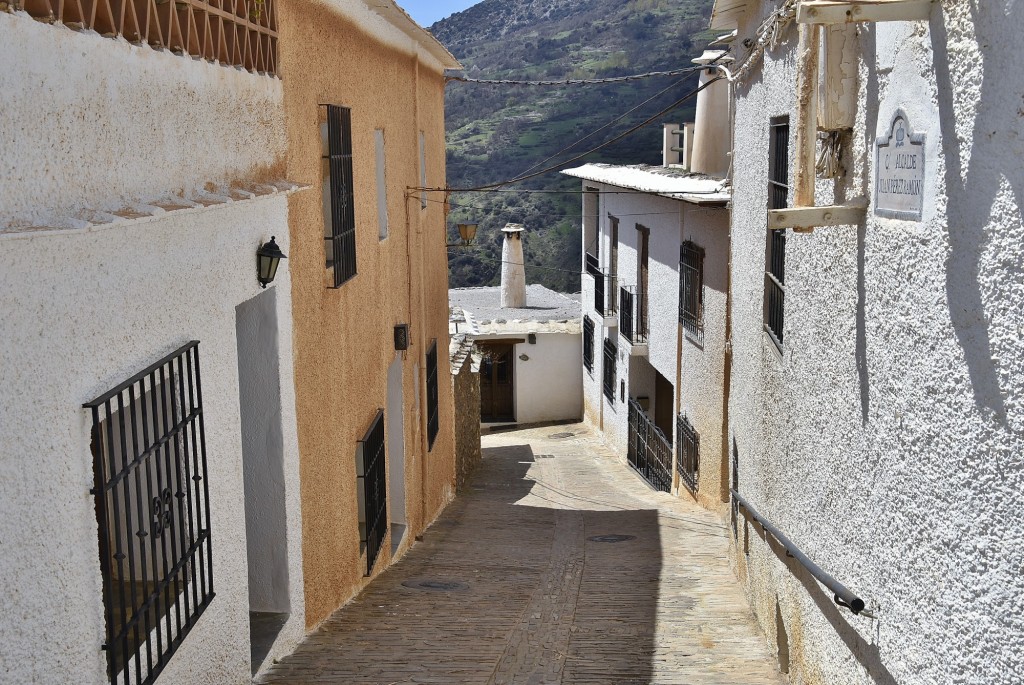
(886, 439)
(99, 124)
(95, 125)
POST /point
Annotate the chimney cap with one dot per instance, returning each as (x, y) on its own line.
(513, 228)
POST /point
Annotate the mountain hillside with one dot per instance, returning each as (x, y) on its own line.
(496, 132)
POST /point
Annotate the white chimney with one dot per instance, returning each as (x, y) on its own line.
(670, 145)
(513, 268)
(711, 136)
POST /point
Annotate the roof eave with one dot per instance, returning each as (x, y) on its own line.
(401, 20)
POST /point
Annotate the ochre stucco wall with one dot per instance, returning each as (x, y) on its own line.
(343, 337)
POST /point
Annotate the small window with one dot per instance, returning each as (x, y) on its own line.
(588, 343)
(433, 425)
(152, 507)
(610, 355)
(373, 507)
(691, 289)
(382, 189)
(778, 198)
(339, 197)
(688, 452)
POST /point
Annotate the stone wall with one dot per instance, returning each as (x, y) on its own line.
(466, 384)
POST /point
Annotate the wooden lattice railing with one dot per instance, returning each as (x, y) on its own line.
(240, 33)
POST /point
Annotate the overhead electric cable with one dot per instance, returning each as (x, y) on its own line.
(491, 187)
(574, 82)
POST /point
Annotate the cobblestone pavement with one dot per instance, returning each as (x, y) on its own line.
(526, 579)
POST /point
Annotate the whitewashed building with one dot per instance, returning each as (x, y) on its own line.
(149, 467)
(876, 411)
(528, 339)
(656, 257)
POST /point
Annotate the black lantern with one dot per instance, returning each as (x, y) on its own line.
(468, 234)
(268, 257)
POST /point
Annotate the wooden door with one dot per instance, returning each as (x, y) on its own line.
(642, 279)
(496, 383)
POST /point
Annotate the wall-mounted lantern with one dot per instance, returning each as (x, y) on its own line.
(268, 257)
(468, 234)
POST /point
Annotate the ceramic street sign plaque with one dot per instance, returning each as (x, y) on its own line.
(899, 171)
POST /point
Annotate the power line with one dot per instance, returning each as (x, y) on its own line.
(525, 265)
(574, 82)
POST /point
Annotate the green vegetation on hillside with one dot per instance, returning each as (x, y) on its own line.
(496, 132)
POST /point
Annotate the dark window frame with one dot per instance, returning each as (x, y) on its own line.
(148, 429)
(588, 343)
(775, 258)
(373, 464)
(691, 289)
(611, 352)
(433, 423)
(340, 241)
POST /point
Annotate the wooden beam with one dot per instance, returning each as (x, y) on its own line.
(806, 116)
(802, 217)
(838, 12)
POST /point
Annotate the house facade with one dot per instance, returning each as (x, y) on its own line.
(875, 414)
(364, 102)
(655, 294)
(150, 486)
(200, 468)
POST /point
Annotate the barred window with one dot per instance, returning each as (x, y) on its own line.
(688, 452)
(373, 506)
(433, 425)
(588, 343)
(778, 198)
(691, 289)
(610, 355)
(338, 195)
(152, 506)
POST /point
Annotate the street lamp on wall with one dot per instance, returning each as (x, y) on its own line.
(268, 258)
(468, 234)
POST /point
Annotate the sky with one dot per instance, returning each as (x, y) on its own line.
(426, 12)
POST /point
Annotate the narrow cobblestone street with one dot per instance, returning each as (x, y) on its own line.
(557, 565)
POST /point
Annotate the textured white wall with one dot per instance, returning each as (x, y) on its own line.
(93, 123)
(84, 311)
(886, 439)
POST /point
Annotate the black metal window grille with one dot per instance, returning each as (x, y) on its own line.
(372, 470)
(152, 506)
(688, 455)
(778, 198)
(588, 343)
(648, 451)
(775, 286)
(632, 314)
(340, 234)
(610, 354)
(778, 164)
(594, 269)
(432, 419)
(691, 289)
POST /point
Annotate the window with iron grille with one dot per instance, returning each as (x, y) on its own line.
(778, 198)
(152, 506)
(688, 452)
(339, 199)
(371, 469)
(610, 354)
(691, 289)
(432, 419)
(588, 343)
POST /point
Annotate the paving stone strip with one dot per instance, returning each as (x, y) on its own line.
(528, 583)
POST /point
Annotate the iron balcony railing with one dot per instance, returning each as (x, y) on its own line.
(594, 269)
(688, 452)
(842, 595)
(648, 450)
(633, 314)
